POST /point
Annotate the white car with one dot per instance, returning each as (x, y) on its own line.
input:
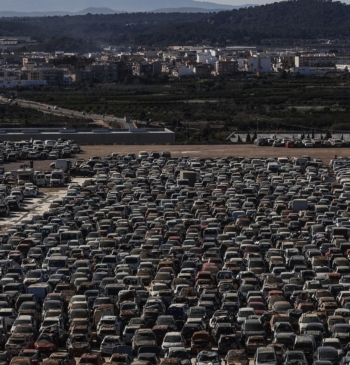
(243, 314)
(156, 287)
(173, 339)
(31, 191)
(108, 343)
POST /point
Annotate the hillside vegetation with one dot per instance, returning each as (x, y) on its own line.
(306, 19)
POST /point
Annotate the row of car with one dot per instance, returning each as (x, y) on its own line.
(11, 151)
(164, 259)
(299, 143)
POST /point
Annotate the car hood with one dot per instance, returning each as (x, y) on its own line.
(238, 362)
(207, 363)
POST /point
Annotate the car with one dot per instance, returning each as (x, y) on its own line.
(143, 337)
(63, 356)
(108, 344)
(236, 357)
(206, 357)
(327, 353)
(179, 353)
(95, 359)
(173, 339)
(265, 355)
(252, 327)
(294, 357)
(78, 344)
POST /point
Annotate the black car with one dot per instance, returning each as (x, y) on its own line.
(252, 327)
(228, 342)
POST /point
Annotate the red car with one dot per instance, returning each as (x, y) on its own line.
(204, 275)
(94, 359)
(47, 343)
(259, 307)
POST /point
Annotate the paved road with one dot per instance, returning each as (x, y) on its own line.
(46, 108)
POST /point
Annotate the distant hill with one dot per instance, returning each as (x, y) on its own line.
(104, 11)
(98, 11)
(73, 6)
(197, 10)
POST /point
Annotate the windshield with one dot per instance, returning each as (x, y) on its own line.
(208, 357)
(33, 274)
(57, 263)
(173, 338)
(267, 357)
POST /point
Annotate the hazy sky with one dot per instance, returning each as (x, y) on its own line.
(241, 2)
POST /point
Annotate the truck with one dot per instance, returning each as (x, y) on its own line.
(189, 175)
(61, 164)
(299, 204)
(57, 178)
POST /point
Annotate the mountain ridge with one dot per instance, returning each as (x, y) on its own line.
(108, 11)
(74, 6)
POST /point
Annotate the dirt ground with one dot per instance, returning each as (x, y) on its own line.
(218, 151)
(203, 151)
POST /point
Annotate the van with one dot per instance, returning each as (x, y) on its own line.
(133, 261)
(320, 209)
(340, 231)
(210, 233)
(71, 235)
(41, 290)
(273, 166)
(39, 179)
(112, 291)
(57, 262)
(63, 165)
(110, 260)
(57, 178)
(132, 281)
(319, 261)
(101, 311)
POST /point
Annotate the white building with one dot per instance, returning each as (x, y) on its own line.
(258, 64)
(206, 57)
(184, 71)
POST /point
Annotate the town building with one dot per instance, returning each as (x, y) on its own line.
(315, 60)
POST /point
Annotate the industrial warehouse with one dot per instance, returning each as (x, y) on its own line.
(92, 136)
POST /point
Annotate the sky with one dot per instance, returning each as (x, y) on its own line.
(240, 2)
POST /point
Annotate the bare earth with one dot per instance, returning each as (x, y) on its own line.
(222, 150)
(203, 151)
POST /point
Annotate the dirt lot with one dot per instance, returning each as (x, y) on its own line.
(199, 151)
(218, 151)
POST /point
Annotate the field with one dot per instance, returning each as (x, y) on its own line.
(205, 110)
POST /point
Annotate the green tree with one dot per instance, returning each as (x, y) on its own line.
(239, 139)
(342, 137)
(142, 115)
(313, 134)
(248, 139)
(328, 135)
(254, 137)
